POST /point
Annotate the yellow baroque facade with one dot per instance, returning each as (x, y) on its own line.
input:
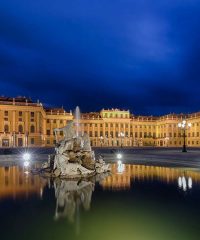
(25, 123)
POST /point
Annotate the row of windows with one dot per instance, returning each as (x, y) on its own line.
(6, 142)
(117, 125)
(116, 115)
(118, 135)
(126, 134)
(32, 114)
(112, 134)
(55, 121)
(131, 126)
(20, 129)
(189, 143)
(179, 134)
(48, 132)
(20, 119)
(175, 125)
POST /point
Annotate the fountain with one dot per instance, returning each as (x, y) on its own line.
(73, 156)
(77, 117)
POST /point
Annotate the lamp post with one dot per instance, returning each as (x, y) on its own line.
(184, 125)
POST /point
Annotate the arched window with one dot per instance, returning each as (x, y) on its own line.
(20, 128)
(32, 129)
(6, 128)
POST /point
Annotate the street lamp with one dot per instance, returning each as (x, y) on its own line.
(184, 125)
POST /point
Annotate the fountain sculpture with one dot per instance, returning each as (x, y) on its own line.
(73, 156)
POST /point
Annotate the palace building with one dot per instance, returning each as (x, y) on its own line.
(26, 123)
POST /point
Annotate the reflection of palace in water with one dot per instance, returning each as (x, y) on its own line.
(124, 174)
(15, 183)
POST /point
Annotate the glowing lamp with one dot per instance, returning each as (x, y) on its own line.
(26, 156)
(119, 156)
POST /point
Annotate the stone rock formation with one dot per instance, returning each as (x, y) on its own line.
(74, 157)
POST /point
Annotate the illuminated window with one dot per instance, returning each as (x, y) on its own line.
(20, 128)
(5, 143)
(6, 128)
(136, 134)
(48, 132)
(32, 129)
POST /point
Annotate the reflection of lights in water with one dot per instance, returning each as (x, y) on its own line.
(185, 183)
(180, 182)
(189, 182)
(119, 162)
(26, 172)
(119, 156)
(26, 156)
(26, 164)
(120, 166)
(41, 192)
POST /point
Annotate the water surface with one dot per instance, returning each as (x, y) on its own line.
(135, 202)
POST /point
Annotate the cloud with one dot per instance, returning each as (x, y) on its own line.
(129, 54)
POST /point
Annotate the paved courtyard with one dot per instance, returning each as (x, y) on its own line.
(173, 157)
(150, 156)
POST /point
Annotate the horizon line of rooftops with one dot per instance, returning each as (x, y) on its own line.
(27, 101)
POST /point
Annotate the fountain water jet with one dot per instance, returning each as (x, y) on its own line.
(77, 117)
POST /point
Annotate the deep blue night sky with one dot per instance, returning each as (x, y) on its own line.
(138, 55)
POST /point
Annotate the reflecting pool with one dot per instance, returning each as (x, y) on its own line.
(134, 202)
